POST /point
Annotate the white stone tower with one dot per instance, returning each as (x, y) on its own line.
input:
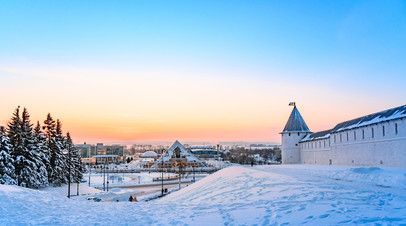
(293, 132)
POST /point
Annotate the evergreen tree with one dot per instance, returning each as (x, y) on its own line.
(40, 141)
(7, 173)
(61, 143)
(27, 162)
(14, 129)
(75, 159)
(57, 160)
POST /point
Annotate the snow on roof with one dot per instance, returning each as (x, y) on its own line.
(295, 123)
(104, 156)
(149, 154)
(317, 136)
(390, 114)
(202, 147)
(184, 153)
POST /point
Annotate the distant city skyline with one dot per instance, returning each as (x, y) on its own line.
(207, 71)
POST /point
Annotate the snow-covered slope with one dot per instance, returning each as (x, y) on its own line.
(295, 194)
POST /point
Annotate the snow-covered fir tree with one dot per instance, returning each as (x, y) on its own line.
(75, 160)
(61, 141)
(57, 160)
(42, 149)
(27, 161)
(7, 173)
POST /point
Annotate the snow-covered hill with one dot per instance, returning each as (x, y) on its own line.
(296, 194)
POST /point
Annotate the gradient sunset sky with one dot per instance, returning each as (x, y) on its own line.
(143, 71)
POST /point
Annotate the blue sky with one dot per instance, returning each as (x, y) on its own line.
(322, 54)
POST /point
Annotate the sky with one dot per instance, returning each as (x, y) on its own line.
(210, 71)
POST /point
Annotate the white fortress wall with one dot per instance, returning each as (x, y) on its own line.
(316, 152)
(380, 144)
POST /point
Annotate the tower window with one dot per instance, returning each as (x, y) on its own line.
(347, 136)
(335, 140)
(298, 134)
(289, 134)
(363, 134)
(396, 128)
(355, 135)
(341, 138)
(372, 132)
(383, 130)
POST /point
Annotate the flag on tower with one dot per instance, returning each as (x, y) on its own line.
(292, 104)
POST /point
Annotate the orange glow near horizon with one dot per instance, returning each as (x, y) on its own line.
(249, 126)
(97, 105)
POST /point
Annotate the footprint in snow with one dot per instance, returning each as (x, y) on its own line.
(301, 208)
(324, 216)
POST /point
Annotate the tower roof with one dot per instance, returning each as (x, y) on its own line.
(295, 123)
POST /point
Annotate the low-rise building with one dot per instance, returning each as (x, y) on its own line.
(89, 151)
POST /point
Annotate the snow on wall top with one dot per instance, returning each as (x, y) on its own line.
(184, 153)
(317, 136)
(390, 114)
(295, 123)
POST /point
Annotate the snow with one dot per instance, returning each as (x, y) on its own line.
(149, 154)
(307, 137)
(387, 115)
(237, 195)
(63, 190)
(127, 179)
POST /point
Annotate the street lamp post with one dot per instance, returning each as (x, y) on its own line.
(179, 175)
(193, 167)
(104, 176)
(69, 162)
(107, 176)
(162, 175)
(218, 152)
(77, 177)
(90, 171)
(77, 189)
